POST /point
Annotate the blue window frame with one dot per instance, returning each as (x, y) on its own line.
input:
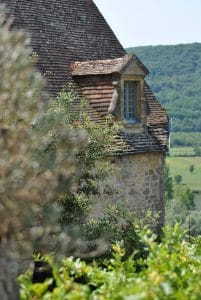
(130, 101)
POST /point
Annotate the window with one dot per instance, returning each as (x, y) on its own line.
(130, 101)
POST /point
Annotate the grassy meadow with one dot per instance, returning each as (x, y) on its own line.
(180, 166)
(174, 151)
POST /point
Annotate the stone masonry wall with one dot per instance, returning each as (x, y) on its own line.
(138, 182)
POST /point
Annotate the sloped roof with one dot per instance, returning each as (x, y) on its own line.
(64, 31)
(71, 38)
(154, 140)
(99, 89)
(157, 115)
(157, 118)
(133, 143)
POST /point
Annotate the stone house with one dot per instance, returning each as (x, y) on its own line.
(75, 44)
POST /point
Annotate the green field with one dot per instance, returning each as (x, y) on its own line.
(175, 151)
(180, 165)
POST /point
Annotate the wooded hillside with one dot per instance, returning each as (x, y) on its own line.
(175, 78)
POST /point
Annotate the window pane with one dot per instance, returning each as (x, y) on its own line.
(130, 97)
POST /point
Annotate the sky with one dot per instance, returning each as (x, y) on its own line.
(153, 22)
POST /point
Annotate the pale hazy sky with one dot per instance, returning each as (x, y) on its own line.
(153, 22)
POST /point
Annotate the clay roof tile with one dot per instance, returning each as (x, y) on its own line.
(104, 66)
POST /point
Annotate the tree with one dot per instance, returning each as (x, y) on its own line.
(89, 165)
(185, 195)
(197, 150)
(28, 185)
(178, 179)
(193, 223)
(191, 168)
(168, 184)
(179, 208)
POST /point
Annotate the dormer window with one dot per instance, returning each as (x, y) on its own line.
(130, 101)
(114, 86)
(132, 91)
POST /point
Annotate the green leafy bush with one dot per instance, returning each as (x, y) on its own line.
(120, 225)
(172, 270)
(197, 150)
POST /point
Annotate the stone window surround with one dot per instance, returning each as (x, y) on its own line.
(140, 96)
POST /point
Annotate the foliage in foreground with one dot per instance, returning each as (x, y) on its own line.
(120, 225)
(28, 185)
(172, 270)
(27, 182)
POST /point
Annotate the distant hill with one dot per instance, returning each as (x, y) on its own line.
(175, 77)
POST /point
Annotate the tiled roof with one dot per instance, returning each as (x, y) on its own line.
(157, 119)
(67, 31)
(129, 143)
(104, 66)
(161, 134)
(92, 113)
(98, 90)
(133, 143)
(64, 31)
(157, 115)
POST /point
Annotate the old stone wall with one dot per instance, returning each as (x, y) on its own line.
(138, 181)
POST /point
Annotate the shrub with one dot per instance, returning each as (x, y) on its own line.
(197, 150)
(88, 167)
(119, 225)
(191, 168)
(178, 179)
(172, 272)
(29, 185)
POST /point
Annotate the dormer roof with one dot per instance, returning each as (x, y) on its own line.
(106, 66)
